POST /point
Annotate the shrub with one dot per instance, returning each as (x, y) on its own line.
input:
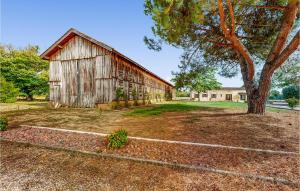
(119, 94)
(117, 139)
(292, 102)
(135, 97)
(8, 93)
(3, 123)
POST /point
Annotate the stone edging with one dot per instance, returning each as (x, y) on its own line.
(171, 141)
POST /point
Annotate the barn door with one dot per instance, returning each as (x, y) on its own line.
(77, 86)
(69, 84)
(86, 82)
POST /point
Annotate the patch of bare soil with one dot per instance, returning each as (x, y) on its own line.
(26, 167)
(277, 131)
(266, 164)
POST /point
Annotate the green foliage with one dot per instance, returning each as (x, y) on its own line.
(182, 94)
(3, 123)
(288, 74)
(292, 102)
(8, 93)
(117, 139)
(195, 27)
(119, 94)
(200, 81)
(275, 95)
(291, 91)
(25, 69)
(134, 96)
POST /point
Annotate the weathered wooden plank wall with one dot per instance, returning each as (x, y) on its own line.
(83, 74)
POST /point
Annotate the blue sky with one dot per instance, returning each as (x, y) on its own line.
(118, 23)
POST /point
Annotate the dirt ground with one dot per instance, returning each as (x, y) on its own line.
(26, 167)
(227, 126)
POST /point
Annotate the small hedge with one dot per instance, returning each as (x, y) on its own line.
(118, 139)
(3, 123)
(292, 102)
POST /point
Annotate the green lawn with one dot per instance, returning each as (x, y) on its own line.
(22, 105)
(179, 106)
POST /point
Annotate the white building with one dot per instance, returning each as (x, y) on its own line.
(223, 94)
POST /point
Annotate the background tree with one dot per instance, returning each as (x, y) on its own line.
(200, 81)
(25, 69)
(291, 92)
(288, 74)
(275, 95)
(232, 35)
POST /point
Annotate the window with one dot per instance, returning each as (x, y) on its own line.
(242, 97)
(213, 95)
(204, 95)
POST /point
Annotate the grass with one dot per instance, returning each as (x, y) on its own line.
(180, 106)
(22, 105)
(162, 108)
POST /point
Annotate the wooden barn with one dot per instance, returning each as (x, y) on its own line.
(87, 73)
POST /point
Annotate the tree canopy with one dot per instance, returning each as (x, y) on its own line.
(25, 69)
(200, 81)
(291, 92)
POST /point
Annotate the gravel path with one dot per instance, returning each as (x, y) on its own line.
(264, 164)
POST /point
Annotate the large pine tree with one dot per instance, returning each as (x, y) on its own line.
(229, 35)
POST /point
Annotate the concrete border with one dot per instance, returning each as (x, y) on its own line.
(170, 141)
(173, 165)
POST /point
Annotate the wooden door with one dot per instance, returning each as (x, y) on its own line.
(69, 83)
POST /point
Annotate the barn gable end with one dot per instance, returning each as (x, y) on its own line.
(85, 72)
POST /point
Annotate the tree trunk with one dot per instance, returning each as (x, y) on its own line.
(198, 96)
(257, 94)
(29, 98)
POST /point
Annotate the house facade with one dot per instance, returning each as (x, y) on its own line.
(87, 73)
(223, 94)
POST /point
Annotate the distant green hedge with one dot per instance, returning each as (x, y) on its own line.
(3, 123)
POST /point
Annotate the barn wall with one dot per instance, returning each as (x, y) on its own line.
(83, 74)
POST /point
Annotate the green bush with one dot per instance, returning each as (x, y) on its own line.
(292, 102)
(119, 94)
(117, 139)
(8, 93)
(3, 123)
(135, 97)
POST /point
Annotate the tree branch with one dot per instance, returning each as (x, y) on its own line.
(232, 17)
(236, 43)
(222, 19)
(292, 47)
(289, 18)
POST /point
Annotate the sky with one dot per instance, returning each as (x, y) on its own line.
(120, 24)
